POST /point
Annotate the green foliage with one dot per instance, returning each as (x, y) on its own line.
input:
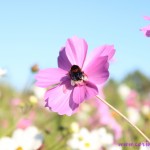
(138, 81)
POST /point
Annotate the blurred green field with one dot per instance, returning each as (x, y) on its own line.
(57, 130)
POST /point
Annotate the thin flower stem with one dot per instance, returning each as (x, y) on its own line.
(118, 112)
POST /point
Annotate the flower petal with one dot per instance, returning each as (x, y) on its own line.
(59, 101)
(148, 33)
(146, 17)
(106, 50)
(97, 70)
(50, 76)
(76, 50)
(91, 90)
(84, 92)
(63, 61)
(146, 30)
(78, 95)
(7, 143)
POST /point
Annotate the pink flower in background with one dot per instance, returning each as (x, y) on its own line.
(146, 17)
(24, 123)
(133, 107)
(147, 102)
(145, 108)
(4, 124)
(132, 100)
(106, 118)
(15, 101)
(77, 78)
(146, 30)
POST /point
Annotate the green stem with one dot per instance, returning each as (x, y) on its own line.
(118, 112)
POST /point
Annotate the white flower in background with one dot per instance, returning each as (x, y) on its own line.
(2, 72)
(28, 139)
(94, 140)
(7, 143)
(105, 138)
(86, 107)
(33, 100)
(39, 92)
(78, 138)
(74, 127)
(84, 113)
(144, 147)
(133, 114)
(114, 147)
(145, 109)
(124, 91)
(90, 143)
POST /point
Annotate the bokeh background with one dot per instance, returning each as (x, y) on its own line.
(31, 35)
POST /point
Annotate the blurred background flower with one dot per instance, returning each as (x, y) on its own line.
(146, 30)
(2, 72)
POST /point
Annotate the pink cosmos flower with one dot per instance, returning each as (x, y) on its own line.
(24, 123)
(146, 30)
(77, 78)
(15, 101)
(132, 100)
(146, 102)
(106, 118)
(146, 17)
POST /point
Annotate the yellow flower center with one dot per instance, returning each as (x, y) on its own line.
(19, 148)
(80, 138)
(87, 144)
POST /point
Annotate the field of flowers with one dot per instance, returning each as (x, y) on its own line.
(27, 125)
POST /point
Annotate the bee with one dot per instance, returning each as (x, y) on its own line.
(76, 73)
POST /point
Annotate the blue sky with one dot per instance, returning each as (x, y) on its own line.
(34, 31)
